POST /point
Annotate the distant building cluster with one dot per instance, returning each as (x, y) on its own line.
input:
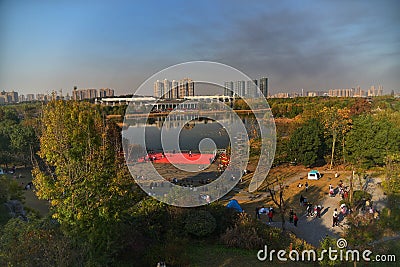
(246, 88)
(8, 97)
(91, 93)
(166, 89)
(316, 93)
(77, 94)
(185, 89)
(346, 92)
(286, 95)
(43, 97)
(356, 92)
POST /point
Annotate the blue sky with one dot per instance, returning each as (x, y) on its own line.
(53, 45)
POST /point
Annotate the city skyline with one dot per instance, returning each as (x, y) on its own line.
(313, 45)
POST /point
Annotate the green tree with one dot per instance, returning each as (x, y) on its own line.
(38, 242)
(240, 104)
(81, 172)
(392, 181)
(372, 139)
(307, 143)
(23, 142)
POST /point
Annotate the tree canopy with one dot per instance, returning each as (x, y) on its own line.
(307, 143)
(371, 139)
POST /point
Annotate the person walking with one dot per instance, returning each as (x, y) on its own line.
(319, 208)
(309, 209)
(258, 212)
(291, 215)
(306, 185)
(335, 218)
(331, 191)
(301, 200)
(319, 211)
(270, 215)
(295, 219)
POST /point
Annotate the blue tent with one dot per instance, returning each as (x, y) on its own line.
(233, 204)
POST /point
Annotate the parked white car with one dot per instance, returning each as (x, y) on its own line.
(314, 175)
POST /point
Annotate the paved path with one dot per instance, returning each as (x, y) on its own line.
(313, 229)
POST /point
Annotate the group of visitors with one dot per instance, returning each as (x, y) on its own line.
(343, 190)
(205, 197)
(369, 209)
(149, 157)
(262, 210)
(335, 216)
(314, 211)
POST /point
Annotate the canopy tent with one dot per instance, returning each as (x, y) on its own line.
(233, 204)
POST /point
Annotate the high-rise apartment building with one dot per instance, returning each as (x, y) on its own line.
(105, 92)
(9, 97)
(30, 97)
(228, 88)
(174, 89)
(81, 94)
(239, 88)
(159, 89)
(251, 89)
(358, 92)
(247, 88)
(373, 91)
(166, 89)
(380, 90)
(186, 87)
(263, 85)
(341, 92)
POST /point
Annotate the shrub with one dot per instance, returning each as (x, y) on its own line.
(243, 234)
(390, 216)
(326, 243)
(224, 217)
(200, 223)
(173, 252)
(359, 195)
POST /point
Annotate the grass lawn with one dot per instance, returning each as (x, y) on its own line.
(387, 248)
(30, 199)
(4, 214)
(200, 254)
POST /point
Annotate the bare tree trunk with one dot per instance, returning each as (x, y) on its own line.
(282, 208)
(344, 158)
(283, 220)
(333, 150)
(281, 204)
(351, 188)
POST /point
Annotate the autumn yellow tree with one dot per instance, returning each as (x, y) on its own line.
(79, 170)
(337, 122)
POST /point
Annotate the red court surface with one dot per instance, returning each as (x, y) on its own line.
(179, 158)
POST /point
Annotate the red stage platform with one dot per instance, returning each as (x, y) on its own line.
(180, 158)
